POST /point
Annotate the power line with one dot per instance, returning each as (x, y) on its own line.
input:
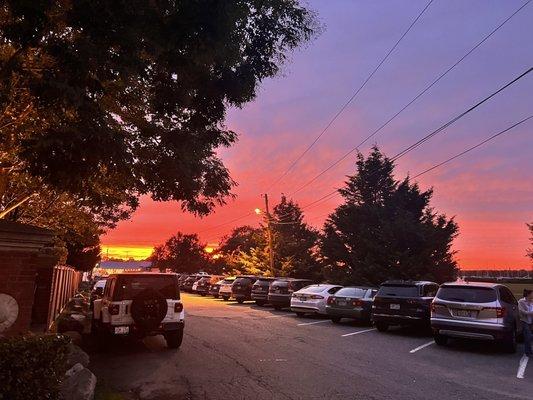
(347, 103)
(473, 147)
(420, 94)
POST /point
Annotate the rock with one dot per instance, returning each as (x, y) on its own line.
(76, 356)
(79, 385)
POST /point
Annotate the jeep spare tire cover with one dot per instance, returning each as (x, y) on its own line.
(148, 309)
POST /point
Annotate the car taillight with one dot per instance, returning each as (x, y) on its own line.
(114, 309)
(331, 300)
(316, 297)
(178, 307)
(357, 303)
(500, 311)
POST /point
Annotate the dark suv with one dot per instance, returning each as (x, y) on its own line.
(403, 303)
(241, 289)
(260, 290)
(281, 290)
(139, 305)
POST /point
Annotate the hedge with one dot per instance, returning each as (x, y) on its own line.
(31, 367)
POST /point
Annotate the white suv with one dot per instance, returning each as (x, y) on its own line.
(140, 305)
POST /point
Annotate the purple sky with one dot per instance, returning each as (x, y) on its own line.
(490, 191)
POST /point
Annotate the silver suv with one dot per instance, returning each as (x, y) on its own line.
(139, 305)
(475, 310)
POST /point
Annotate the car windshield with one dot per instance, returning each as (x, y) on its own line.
(243, 281)
(315, 289)
(467, 294)
(228, 281)
(351, 292)
(131, 286)
(398, 290)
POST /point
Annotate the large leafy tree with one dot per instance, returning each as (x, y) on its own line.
(181, 253)
(109, 99)
(242, 238)
(294, 242)
(386, 229)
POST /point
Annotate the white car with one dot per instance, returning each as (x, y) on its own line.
(312, 299)
(225, 288)
(139, 305)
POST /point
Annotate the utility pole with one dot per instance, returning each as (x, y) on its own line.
(269, 233)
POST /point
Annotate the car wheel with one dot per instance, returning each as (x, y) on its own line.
(174, 339)
(202, 294)
(509, 344)
(216, 296)
(336, 320)
(240, 301)
(300, 314)
(260, 303)
(277, 308)
(440, 340)
(380, 326)
(225, 298)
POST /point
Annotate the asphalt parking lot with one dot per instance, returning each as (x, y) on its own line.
(242, 351)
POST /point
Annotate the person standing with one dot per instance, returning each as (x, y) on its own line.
(525, 309)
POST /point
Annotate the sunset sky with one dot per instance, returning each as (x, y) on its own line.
(489, 191)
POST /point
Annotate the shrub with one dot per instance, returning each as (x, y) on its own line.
(31, 367)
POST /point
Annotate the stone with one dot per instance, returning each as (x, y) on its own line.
(79, 385)
(74, 370)
(76, 356)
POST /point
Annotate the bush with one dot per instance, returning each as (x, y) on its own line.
(31, 367)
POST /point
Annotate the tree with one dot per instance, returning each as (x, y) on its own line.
(241, 238)
(530, 250)
(109, 100)
(386, 229)
(181, 253)
(294, 242)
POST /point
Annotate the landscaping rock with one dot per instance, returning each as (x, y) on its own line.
(76, 356)
(79, 384)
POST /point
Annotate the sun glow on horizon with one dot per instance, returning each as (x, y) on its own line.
(125, 252)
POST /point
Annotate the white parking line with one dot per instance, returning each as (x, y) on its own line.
(315, 322)
(422, 347)
(358, 332)
(522, 367)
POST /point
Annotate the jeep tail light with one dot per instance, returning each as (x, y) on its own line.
(331, 300)
(357, 303)
(317, 297)
(114, 309)
(178, 307)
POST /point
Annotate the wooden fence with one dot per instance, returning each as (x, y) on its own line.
(65, 282)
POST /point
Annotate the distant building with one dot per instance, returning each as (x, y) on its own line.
(105, 268)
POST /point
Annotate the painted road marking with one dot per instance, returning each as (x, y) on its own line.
(315, 322)
(422, 347)
(279, 316)
(522, 367)
(273, 360)
(358, 332)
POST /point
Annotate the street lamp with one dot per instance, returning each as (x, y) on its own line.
(258, 211)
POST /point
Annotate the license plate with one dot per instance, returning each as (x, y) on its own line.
(394, 306)
(341, 303)
(465, 313)
(122, 330)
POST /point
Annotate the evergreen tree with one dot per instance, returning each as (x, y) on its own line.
(386, 229)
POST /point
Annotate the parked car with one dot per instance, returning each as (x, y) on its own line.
(139, 305)
(189, 282)
(203, 285)
(281, 290)
(97, 291)
(201, 279)
(312, 299)
(476, 310)
(403, 303)
(181, 280)
(241, 289)
(351, 302)
(225, 288)
(215, 288)
(260, 290)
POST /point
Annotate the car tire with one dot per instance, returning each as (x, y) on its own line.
(300, 314)
(336, 320)
(240, 301)
(260, 303)
(381, 327)
(174, 339)
(216, 296)
(225, 298)
(440, 340)
(202, 294)
(509, 344)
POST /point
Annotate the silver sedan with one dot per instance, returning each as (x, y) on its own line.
(312, 299)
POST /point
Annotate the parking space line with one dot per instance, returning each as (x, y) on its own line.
(422, 347)
(522, 367)
(279, 316)
(358, 332)
(315, 322)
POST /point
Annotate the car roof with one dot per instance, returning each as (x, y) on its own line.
(325, 285)
(360, 287)
(473, 284)
(407, 282)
